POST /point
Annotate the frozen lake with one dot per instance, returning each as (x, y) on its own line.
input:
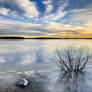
(38, 56)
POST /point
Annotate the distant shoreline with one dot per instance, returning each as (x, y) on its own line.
(38, 38)
(12, 38)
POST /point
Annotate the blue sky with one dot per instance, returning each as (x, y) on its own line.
(50, 18)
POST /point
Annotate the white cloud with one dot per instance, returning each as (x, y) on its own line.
(4, 11)
(4, 23)
(55, 16)
(8, 12)
(49, 5)
(27, 7)
(13, 14)
(35, 30)
(20, 28)
(60, 28)
(60, 13)
(83, 16)
(49, 8)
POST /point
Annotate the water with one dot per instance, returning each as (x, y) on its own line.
(38, 56)
(20, 55)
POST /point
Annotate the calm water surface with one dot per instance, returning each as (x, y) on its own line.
(28, 52)
(39, 55)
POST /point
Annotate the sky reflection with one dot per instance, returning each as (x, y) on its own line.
(25, 52)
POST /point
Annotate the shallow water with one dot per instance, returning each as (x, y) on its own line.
(28, 52)
(34, 57)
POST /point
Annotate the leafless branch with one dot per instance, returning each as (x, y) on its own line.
(72, 59)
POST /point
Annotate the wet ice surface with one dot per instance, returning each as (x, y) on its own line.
(35, 60)
(48, 81)
(71, 82)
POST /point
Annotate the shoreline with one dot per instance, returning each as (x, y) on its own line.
(38, 38)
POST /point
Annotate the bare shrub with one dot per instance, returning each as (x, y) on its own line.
(72, 59)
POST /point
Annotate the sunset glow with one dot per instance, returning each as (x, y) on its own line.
(46, 18)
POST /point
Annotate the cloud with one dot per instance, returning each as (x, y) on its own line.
(58, 12)
(24, 7)
(8, 12)
(82, 16)
(55, 16)
(53, 29)
(14, 28)
(29, 8)
(62, 11)
(4, 11)
(49, 5)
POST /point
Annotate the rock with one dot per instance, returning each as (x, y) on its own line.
(23, 83)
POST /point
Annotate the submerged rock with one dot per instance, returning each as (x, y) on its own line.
(23, 83)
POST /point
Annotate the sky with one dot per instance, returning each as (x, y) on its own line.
(46, 18)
